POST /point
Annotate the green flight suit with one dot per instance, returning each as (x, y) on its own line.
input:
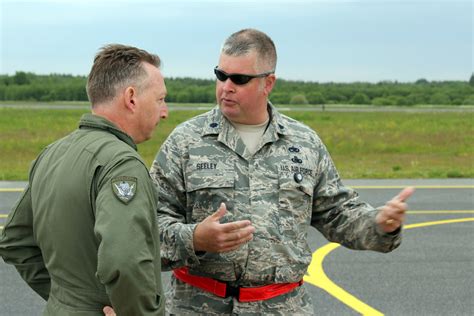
(84, 233)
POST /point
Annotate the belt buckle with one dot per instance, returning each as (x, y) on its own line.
(233, 291)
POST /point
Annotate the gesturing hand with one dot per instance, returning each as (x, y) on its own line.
(212, 236)
(108, 311)
(392, 215)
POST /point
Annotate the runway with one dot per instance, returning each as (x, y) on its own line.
(431, 273)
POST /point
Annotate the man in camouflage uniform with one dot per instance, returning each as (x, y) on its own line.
(269, 177)
(84, 234)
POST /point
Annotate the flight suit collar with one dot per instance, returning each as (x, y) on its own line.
(98, 122)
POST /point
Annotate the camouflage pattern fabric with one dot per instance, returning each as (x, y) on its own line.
(289, 184)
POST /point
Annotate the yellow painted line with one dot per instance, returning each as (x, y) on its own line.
(442, 212)
(415, 186)
(11, 189)
(317, 277)
(3, 215)
(447, 221)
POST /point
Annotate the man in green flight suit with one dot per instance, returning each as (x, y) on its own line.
(84, 234)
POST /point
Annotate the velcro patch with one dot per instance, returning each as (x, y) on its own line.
(124, 188)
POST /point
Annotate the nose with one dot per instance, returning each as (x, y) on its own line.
(228, 85)
(164, 112)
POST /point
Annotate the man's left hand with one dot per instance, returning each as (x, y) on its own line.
(392, 215)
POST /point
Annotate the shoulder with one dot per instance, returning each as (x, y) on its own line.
(298, 131)
(106, 147)
(191, 130)
(194, 125)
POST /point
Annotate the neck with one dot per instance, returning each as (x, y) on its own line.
(111, 113)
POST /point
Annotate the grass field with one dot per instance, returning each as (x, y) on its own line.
(362, 144)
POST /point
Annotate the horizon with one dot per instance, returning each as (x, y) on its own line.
(278, 78)
(338, 41)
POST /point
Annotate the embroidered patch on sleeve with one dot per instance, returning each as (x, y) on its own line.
(124, 188)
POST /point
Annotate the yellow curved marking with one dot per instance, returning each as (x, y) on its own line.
(317, 277)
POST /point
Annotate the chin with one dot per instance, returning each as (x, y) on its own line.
(229, 110)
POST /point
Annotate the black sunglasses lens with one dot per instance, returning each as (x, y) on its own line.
(220, 75)
(237, 79)
(240, 79)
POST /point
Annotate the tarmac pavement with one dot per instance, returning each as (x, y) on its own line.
(431, 273)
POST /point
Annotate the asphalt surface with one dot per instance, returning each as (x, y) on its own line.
(432, 273)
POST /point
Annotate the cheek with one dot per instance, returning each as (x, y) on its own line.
(149, 116)
(156, 113)
(221, 86)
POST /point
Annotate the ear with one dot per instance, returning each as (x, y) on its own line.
(269, 83)
(130, 98)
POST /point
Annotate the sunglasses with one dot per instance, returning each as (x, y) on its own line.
(238, 79)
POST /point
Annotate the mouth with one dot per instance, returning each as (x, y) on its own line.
(228, 102)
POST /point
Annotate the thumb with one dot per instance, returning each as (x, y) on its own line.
(220, 212)
(108, 311)
(405, 194)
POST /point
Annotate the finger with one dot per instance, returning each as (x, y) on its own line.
(405, 194)
(108, 311)
(241, 234)
(235, 226)
(397, 216)
(395, 207)
(234, 245)
(220, 212)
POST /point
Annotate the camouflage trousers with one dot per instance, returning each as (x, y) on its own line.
(183, 299)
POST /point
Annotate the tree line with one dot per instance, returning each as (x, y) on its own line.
(26, 86)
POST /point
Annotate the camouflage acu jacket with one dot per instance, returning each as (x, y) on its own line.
(287, 185)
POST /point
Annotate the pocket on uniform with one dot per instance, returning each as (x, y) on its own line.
(205, 192)
(294, 204)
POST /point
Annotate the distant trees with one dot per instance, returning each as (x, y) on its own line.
(360, 98)
(59, 87)
(298, 99)
(20, 78)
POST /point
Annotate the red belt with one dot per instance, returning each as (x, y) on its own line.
(243, 294)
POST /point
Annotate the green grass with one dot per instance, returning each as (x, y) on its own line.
(362, 144)
(397, 144)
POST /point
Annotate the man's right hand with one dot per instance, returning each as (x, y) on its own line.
(108, 311)
(212, 236)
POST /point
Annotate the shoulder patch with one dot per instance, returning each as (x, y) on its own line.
(124, 188)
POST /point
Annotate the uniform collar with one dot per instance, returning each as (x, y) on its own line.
(98, 122)
(215, 122)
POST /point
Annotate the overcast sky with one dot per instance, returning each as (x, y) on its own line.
(318, 40)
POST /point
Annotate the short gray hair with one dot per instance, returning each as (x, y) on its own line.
(244, 41)
(116, 66)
